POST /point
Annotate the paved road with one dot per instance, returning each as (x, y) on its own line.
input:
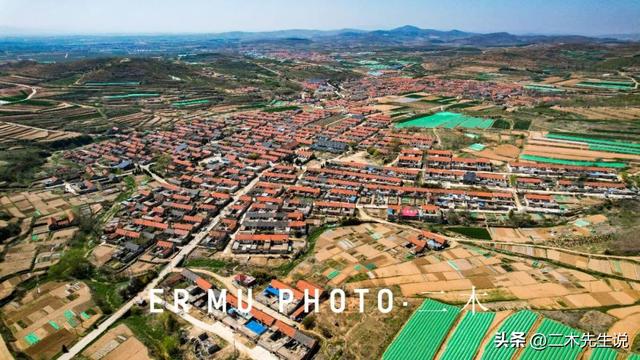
(184, 251)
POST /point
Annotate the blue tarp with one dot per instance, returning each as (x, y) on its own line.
(256, 327)
(271, 291)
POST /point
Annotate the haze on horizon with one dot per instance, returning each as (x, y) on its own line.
(583, 17)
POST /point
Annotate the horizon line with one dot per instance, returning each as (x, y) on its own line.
(52, 33)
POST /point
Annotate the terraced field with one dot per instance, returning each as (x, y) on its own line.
(11, 132)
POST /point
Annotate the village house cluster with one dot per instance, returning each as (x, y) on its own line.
(245, 184)
(264, 324)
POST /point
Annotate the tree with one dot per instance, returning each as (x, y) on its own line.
(162, 162)
(72, 265)
(12, 229)
(309, 322)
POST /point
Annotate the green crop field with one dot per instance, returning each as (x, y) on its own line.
(421, 336)
(466, 339)
(556, 346)
(543, 88)
(544, 159)
(522, 321)
(447, 120)
(112, 83)
(521, 124)
(128, 96)
(473, 232)
(614, 146)
(189, 102)
(603, 354)
(611, 85)
(590, 140)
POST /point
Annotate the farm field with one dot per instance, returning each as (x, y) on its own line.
(468, 335)
(580, 149)
(554, 350)
(343, 258)
(602, 112)
(592, 224)
(11, 132)
(609, 85)
(347, 252)
(627, 269)
(551, 159)
(117, 343)
(428, 327)
(42, 321)
(521, 321)
(627, 320)
(447, 120)
(503, 152)
(460, 334)
(45, 203)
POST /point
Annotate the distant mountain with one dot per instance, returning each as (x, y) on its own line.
(282, 34)
(412, 35)
(159, 44)
(623, 37)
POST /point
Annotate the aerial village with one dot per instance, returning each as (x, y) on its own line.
(256, 188)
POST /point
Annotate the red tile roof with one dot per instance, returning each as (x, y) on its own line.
(152, 224)
(285, 329)
(203, 284)
(335, 204)
(297, 294)
(262, 316)
(435, 237)
(303, 285)
(128, 233)
(261, 237)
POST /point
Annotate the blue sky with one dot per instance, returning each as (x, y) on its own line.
(588, 17)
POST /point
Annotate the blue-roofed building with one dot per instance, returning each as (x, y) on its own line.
(256, 327)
